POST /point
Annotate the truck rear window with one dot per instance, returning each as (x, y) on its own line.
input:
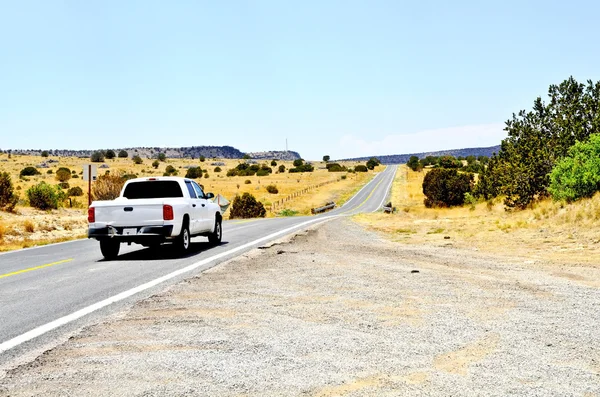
(152, 189)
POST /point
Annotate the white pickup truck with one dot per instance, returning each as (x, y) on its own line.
(151, 211)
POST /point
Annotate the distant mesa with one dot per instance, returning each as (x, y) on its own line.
(403, 158)
(221, 152)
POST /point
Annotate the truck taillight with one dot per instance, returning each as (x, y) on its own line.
(91, 215)
(167, 213)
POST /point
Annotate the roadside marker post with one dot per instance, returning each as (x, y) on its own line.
(90, 173)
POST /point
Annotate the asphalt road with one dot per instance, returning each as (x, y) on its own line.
(48, 293)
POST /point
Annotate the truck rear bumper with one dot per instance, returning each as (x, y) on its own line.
(143, 235)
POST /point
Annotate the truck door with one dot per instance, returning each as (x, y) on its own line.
(196, 209)
(205, 222)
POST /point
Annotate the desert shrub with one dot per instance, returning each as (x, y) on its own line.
(335, 167)
(298, 162)
(246, 206)
(44, 196)
(273, 163)
(8, 199)
(123, 154)
(361, 168)
(63, 175)
(75, 191)
(155, 163)
(218, 169)
(97, 157)
(29, 171)
(247, 181)
(162, 157)
(446, 187)
(137, 159)
(194, 173)
(262, 172)
(45, 153)
(578, 174)
(75, 176)
(272, 189)
(63, 185)
(29, 226)
(49, 172)
(110, 154)
(206, 176)
(127, 177)
(282, 168)
(287, 212)
(202, 159)
(302, 168)
(449, 161)
(344, 176)
(170, 170)
(107, 187)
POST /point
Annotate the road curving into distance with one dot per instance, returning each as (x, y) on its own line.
(48, 293)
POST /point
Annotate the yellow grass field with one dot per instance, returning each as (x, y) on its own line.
(549, 232)
(297, 192)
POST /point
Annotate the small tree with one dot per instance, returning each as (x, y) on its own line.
(298, 162)
(155, 164)
(446, 187)
(361, 168)
(45, 153)
(110, 154)
(372, 163)
(413, 163)
(123, 154)
(8, 199)
(202, 159)
(273, 163)
(97, 157)
(218, 169)
(272, 189)
(162, 157)
(449, 162)
(170, 170)
(246, 206)
(326, 158)
(137, 159)
(75, 191)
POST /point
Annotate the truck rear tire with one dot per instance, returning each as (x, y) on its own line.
(110, 249)
(182, 243)
(215, 237)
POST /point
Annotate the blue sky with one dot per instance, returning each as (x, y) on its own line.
(344, 78)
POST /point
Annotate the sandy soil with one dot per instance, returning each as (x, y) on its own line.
(339, 311)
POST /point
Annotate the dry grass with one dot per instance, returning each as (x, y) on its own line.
(549, 231)
(57, 225)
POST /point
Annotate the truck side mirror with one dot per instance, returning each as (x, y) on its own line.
(209, 195)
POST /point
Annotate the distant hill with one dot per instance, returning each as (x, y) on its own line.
(223, 152)
(278, 155)
(403, 158)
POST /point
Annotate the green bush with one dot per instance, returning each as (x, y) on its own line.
(29, 171)
(45, 197)
(361, 168)
(446, 187)
(298, 162)
(194, 173)
(373, 162)
(449, 162)
(75, 191)
(578, 174)
(170, 170)
(63, 185)
(273, 163)
(414, 163)
(45, 153)
(344, 176)
(97, 157)
(335, 167)
(206, 176)
(110, 154)
(137, 159)
(123, 154)
(262, 172)
(8, 199)
(287, 212)
(155, 164)
(248, 182)
(49, 172)
(282, 168)
(202, 159)
(272, 189)
(218, 169)
(246, 206)
(75, 176)
(162, 157)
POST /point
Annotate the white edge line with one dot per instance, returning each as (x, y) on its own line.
(387, 191)
(34, 333)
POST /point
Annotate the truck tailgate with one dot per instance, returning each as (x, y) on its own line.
(130, 213)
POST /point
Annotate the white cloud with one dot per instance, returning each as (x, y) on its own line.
(468, 136)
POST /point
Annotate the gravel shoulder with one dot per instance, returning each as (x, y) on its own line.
(339, 311)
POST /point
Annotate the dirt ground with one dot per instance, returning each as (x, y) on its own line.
(341, 311)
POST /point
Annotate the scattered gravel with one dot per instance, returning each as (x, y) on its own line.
(339, 311)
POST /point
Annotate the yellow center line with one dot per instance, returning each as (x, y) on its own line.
(35, 268)
(367, 199)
